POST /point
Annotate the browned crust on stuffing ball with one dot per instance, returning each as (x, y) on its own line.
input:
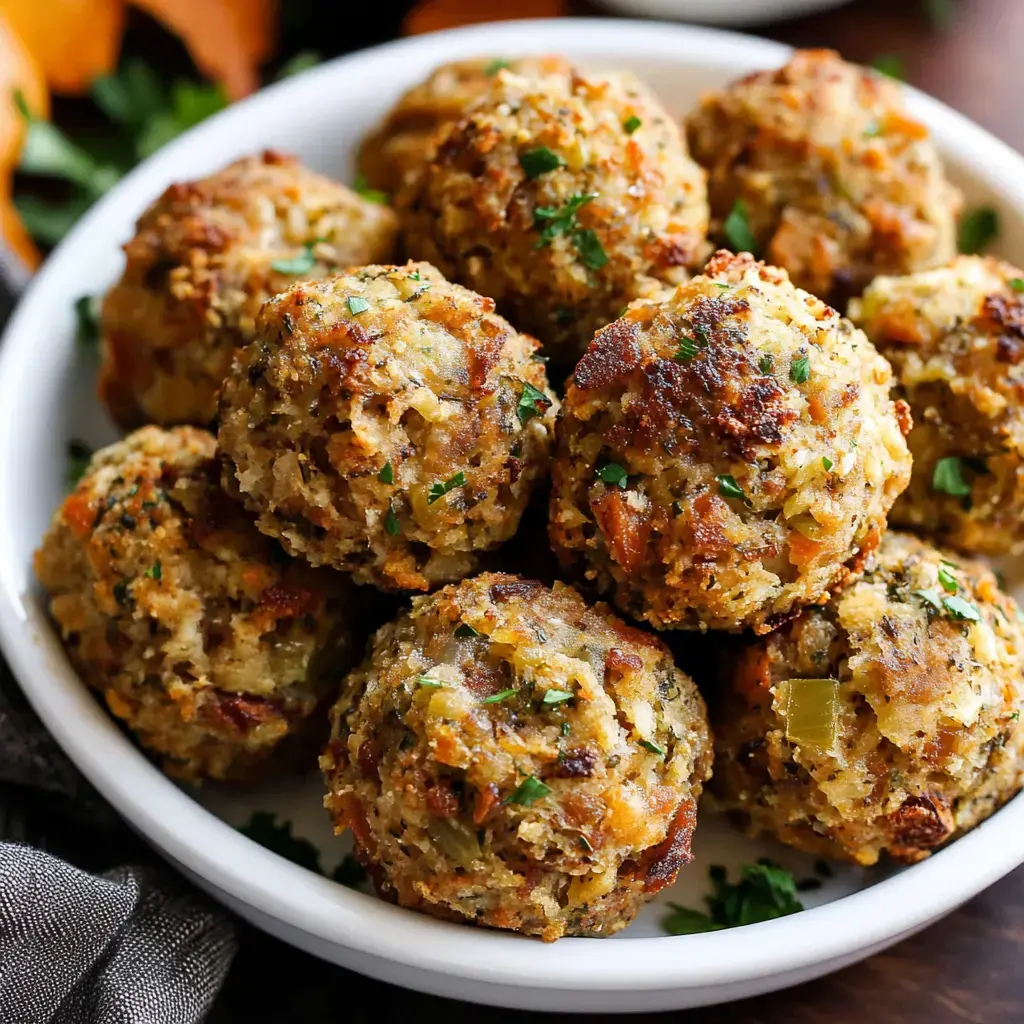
(200, 265)
(753, 448)
(928, 741)
(212, 647)
(429, 777)
(387, 423)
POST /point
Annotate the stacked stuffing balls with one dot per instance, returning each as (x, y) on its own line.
(332, 394)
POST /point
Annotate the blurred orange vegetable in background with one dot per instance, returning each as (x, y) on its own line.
(65, 45)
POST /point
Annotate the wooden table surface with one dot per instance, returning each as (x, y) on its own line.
(969, 967)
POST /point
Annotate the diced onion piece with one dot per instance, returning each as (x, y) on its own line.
(812, 709)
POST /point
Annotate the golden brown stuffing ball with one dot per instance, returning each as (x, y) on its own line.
(563, 198)
(387, 423)
(510, 755)
(955, 339)
(886, 721)
(726, 456)
(407, 138)
(205, 639)
(205, 257)
(837, 182)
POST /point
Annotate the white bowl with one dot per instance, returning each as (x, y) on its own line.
(46, 397)
(723, 12)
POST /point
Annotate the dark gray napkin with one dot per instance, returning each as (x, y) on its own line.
(125, 945)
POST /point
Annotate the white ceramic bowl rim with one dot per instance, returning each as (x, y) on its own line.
(196, 839)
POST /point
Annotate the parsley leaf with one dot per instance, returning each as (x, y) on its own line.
(890, 65)
(190, 103)
(529, 790)
(560, 220)
(949, 584)
(371, 195)
(532, 402)
(687, 350)
(497, 698)
(800, 370)
(553, 696)
(1017, 284)
(301, 264)
(653, 747)
(826, 462)
(536, 162)
(464, 631)
(613, 474)
(357, 305)
(764, 892)
(387, 474)
(302, 61)
(155, 571)
(728, 487)
(765, 363)
(631, 124)
(947, 477)
(495, 66)
(440, 489)
(589, 248)
(392, 527)
(930, 598)
(958, 608)
(264, 829)
(978, 227)
(736, 228)
(79, 455)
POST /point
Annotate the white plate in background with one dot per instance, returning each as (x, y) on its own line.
(47, 397)
(722, 12)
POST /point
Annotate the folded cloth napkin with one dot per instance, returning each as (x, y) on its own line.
(127, 945)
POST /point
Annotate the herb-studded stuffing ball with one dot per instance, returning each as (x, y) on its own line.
(387, 423)
(726, 456)
(205, 257)
(563, 197)
(886, 721)
(509, 755)
(407, 138)
(818, 167)
(205, 639)
(955, 339)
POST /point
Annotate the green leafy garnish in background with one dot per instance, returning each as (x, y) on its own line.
(302, 61)
(891, 65)
(87, 316)
(978, 227)
(79, 454)
(737, 229)
(764, 892)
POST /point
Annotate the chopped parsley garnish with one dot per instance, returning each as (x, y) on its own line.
(589, 248)
(826, 462)
(263, 828)
(301, 264)
(391, 524)
(87, 332)
(890, 65)
(566, 728)
(585, 844)
(728, 488)
(532, 402)
(800, 370)
(948, 478)
(497, 698)
(561, 220)
(464, 631)
(530, 789)
(79, 455)
(687, 349)
(931, 598)
(556, 697)
(536, 162)
(440, 489)
(430, 684)
(1016, 283)
(765, 363)
(613, 474)
(737, 229)
(949, 584)
(958, 608)
(653, 747)
(387, 474)
(155, 571)
(121, 594)
(978, 227)
(631, 124)
(371, 195)
(764, 892)
(495, 66)
(357, 304)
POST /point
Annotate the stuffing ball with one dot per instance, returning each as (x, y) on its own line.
(886, 721)
(407, 138)
(205, 257)
(726, 456)
(387, 423)
(213, 646)
(509, 755)
(819, 167)
(955, 338)
(564, 198)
